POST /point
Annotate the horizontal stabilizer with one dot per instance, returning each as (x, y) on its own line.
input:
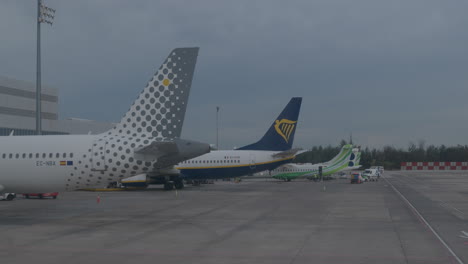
(156, 150)
(173, 151)
(288, 153)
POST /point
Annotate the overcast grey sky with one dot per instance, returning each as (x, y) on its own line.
(390, 72)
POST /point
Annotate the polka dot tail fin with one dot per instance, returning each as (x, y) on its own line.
(159, 110)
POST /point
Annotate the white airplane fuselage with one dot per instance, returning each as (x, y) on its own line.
(230, 163)
(32, 164)
(70, 162)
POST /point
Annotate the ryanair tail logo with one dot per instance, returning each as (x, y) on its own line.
(284, 128)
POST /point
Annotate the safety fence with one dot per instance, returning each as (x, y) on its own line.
(434, 165)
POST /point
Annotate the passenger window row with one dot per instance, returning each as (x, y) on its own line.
(36, 155)
(209, 161)
(293, 170)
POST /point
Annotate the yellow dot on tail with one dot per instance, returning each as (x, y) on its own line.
(166, 82)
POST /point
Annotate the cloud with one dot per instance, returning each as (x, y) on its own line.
(388, 71)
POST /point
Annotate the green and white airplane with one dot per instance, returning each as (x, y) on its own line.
(347, 159)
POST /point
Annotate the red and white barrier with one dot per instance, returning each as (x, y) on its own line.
(434, 165)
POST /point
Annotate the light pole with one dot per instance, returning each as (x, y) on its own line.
(217, 128)
(44, 15)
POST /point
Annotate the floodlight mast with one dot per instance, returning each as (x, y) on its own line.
(217, 128)
(44, 15)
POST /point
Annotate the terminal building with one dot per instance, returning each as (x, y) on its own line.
(18, 112)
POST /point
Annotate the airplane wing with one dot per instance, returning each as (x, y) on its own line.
(288, 166)
(288, 153)
(301, 151)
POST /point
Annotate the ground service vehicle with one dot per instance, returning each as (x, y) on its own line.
(356, 177)
(371, 175)
(380, 169)
(7, 196)
(41, 195)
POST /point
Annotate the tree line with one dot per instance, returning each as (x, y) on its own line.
(390, 157)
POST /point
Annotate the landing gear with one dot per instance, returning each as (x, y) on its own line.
(179, 184)
(196, 183)
(168, 186)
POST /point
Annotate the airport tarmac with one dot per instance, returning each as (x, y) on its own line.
(255, 221)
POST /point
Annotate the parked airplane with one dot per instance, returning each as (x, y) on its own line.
(345, 150)
(146, 139)
(272, 150)
(345, 160)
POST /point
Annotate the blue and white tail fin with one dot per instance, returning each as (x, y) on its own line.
(159, 110)
(280, 136)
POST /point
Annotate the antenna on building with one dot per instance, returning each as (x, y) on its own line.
(351, 138)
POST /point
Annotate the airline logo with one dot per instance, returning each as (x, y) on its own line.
(284, 128)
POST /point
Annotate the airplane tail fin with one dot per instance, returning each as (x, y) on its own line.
(345, 151)
(159, 110)
(355, 158)
(280, 136)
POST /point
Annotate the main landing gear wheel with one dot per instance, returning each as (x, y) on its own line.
(178, 184)
(168, 186)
